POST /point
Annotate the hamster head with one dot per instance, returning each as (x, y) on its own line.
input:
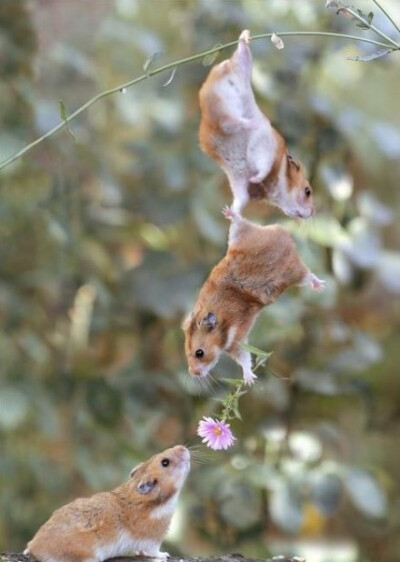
(298, 201)
(162, 476)
(204, 342)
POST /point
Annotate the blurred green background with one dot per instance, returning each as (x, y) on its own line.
(105, 241)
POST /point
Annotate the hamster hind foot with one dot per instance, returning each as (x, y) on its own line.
(316, 283)
(231, 214)
(245, 36)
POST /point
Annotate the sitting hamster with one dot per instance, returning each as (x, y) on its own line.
(260, 264)
(234, 132)
(132, 518)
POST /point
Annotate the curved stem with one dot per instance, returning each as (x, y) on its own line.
(389, 17)
(372, 27)
(175, 64)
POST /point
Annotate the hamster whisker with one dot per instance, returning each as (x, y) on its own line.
(199, 454)
(205, 382)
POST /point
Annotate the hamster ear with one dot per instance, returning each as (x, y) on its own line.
(146, 487)
(209, 321)
(135, 469)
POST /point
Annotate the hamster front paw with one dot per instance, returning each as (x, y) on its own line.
(249, 378)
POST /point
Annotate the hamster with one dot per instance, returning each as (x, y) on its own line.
(234, 132)
(260, 264)
(133, 518)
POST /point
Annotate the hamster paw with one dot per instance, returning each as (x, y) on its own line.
(158, 554)
(249, 378)
(230, 214)
(245, 36)
(316, 283)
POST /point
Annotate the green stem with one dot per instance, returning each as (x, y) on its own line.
(230, 400)
(175, 64)
(389, 17)
(372, 27)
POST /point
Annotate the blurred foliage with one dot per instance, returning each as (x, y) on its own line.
(105, 241)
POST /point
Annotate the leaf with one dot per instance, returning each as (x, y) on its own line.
(285, 507)
(388, 271)
(168, 82)
(325, 491)
(277, 41)
(64, 117)
(365, 493)
(232, 382)
(210, 58)
(149, 61)
(239, 504)
(236, 412)
(256, 351)
(373, 56)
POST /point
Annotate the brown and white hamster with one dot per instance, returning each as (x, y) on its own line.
(133, 518)
(234, 132)
(260, 264)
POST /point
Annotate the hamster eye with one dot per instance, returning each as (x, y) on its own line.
(307, 191)
(165, 462)
(199, 353)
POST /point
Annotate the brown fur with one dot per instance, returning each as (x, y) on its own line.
(239, 137)
(260, 264)
(77, 531)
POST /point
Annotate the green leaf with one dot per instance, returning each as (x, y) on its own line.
(149, 61)
(64, 117)
(232, 382)
(168, 82)
(367, 58)
(256, 351)
(63, 111)
(209, 59)
(237, 413)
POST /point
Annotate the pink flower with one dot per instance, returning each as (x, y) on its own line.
(216, 434)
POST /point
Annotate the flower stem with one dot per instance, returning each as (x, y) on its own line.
(231, 403)
(181, 62)
(373, 28)
(389, 17)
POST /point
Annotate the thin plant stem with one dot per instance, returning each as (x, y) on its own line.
(173, 65)
(230, 402)
(372, 27)
(389, 17)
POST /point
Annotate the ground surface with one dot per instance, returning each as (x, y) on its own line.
(19, 557)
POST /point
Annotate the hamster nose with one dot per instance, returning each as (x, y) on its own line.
(183, 453)
(181, 449)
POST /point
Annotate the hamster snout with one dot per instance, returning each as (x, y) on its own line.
(183, 456)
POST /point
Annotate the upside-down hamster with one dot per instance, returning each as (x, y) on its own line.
(132, 518)
(260, 264)
(234, 132)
